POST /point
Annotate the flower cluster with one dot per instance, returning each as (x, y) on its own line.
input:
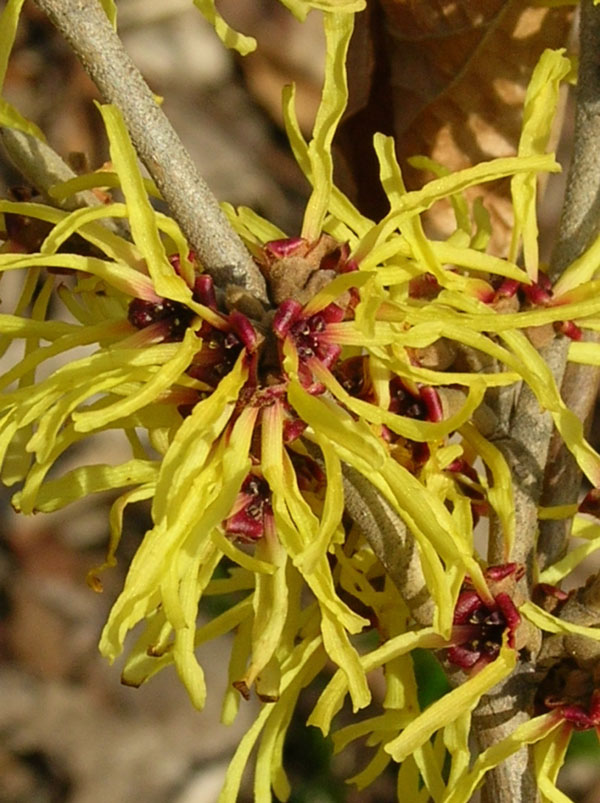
(480, 626)
(248, 430)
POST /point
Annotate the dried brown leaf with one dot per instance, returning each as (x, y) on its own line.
(447, 78)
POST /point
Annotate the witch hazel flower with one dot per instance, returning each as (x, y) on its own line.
(227, 403)
(539, 294)
(309, 337)
(572, 691)
(263, 391)
(480, 626)
(297, 268)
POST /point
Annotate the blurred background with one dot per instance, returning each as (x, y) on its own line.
(69, 732)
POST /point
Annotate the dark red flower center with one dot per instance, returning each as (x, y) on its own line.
(479, 627)
(538, 294)
(177, 317)
(252, 507)
(403, 402)
(573, 691)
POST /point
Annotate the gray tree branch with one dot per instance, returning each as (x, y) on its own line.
(579, 226)
(42, 167)
(223, 255)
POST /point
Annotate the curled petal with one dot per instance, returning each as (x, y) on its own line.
(287, 314)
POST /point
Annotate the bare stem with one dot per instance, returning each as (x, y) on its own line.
(562, 482)
(85, 26)
(579, 226)
(506, 707)
(580, 218)
(42, 167)
(388, 537)
(390, 540)
(525, 447)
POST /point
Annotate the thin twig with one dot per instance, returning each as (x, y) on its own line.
(580, 218)
(85, 26)
(387, 535)
(579, 226)
(506, 706)
(390, 540)
(43, 167)
(525, 448)
(499, 714)
(562, 483)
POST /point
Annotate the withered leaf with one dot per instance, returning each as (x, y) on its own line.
(446, 78)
